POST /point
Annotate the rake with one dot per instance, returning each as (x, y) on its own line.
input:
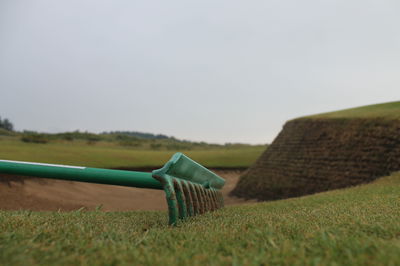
(190, 188)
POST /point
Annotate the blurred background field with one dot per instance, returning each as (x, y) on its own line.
(120, 150)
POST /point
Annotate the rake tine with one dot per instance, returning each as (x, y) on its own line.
(200, 198)
(207, 205)
(171, 199)
(212, 200)
(215, 195)
(212, 193)
(180, 196)
(188, 197)
(208, 201)
(196, 203)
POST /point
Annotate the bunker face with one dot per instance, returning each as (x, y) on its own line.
(27, 193)
(316, 154)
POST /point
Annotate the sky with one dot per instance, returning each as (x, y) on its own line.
(212, 70)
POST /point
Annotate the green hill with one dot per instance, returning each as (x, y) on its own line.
(384, 110)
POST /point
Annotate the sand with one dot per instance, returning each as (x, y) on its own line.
(39, 194)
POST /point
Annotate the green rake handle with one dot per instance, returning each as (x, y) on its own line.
(190, 188)
(81, 174)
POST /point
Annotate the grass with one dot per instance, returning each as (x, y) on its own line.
(112, 155)
(385, 110)
(354, 226)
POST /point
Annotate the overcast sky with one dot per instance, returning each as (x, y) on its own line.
(209, 70)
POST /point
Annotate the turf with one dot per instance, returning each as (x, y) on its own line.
(384, 110)
(110, 155)
(354, 226)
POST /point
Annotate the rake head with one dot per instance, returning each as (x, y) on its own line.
(190, 188)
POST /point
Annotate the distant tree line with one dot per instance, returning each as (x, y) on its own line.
(139, 135)
(6, 124)
(133, 139)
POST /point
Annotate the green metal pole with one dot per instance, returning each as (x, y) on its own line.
(81, 174)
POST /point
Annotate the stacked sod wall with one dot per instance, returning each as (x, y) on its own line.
(315, 154)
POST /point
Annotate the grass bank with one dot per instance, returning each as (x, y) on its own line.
(355, 226)
(385, 111)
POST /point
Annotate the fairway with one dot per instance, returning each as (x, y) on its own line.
(354, 226)
(112, 155)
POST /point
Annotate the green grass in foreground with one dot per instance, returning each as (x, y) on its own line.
(111, 155)
(356, 226)
(385, 110)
